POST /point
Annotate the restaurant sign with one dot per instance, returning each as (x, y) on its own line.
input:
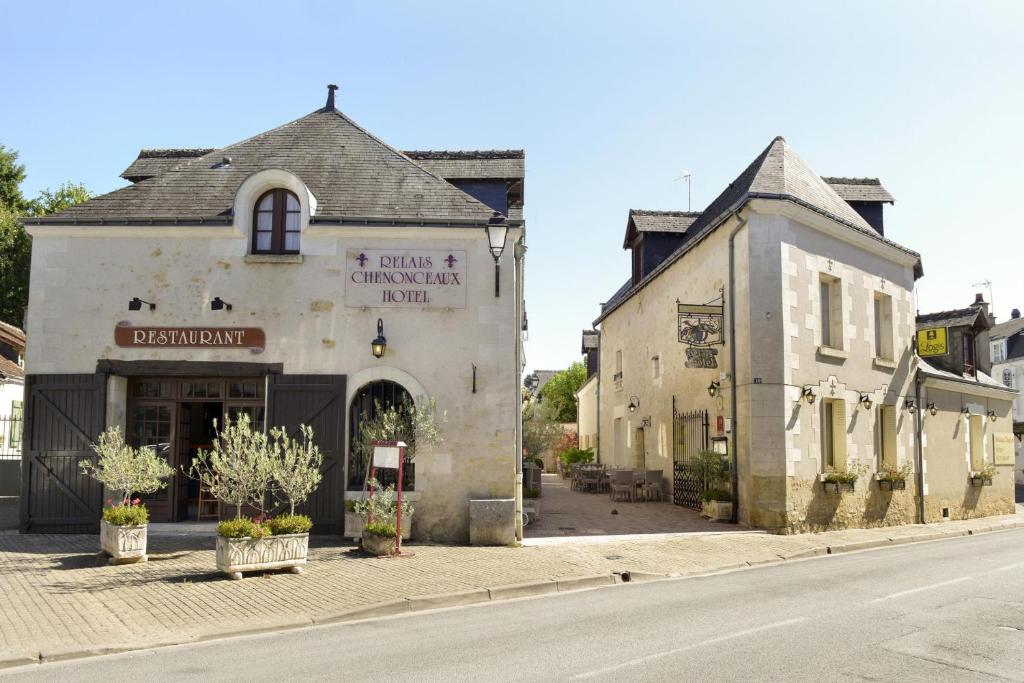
(700, 327)
(420, 278)
(931, 342)
(190, 337)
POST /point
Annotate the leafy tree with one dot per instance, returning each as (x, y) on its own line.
(65, 196)
(540, 431)
(560, 392)
(296, 464)
(239, 467)
(11, 176)
(126, 469)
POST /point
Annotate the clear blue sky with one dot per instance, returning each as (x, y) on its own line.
(611, 100)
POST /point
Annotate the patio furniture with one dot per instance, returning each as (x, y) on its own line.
(574, 477)
(590, 479)
(654, 485)
(621, 483)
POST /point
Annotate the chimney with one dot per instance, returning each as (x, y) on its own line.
(330, 100)
(979, 302)
(1015, 314)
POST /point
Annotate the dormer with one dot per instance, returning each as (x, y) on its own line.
(865, 196)
(652, 236)
(965, 332)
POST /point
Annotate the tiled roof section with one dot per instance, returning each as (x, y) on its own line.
(859, 189)
(507, 164)
(12, 336)
(982, 379)
(1006, 329)
(590, 338)
(11, 370)
(153, 162)
(662, 221)
(352, 174)
(954, 318)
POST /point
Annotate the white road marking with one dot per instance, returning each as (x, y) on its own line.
(1009, 566)
(923, 588)
(692, 646)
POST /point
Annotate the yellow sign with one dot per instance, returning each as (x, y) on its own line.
(1003, 448)
(931, 342)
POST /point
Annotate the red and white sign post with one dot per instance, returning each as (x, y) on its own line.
(390, 455)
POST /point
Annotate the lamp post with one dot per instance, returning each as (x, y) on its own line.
(497, 234)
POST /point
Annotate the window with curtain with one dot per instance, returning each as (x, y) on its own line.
(276, 223)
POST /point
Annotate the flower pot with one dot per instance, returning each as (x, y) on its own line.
(838, 486)
(378, 545)
(354, 525)
(980, 481)
(892, 484)
(124, 544)
(237, 555)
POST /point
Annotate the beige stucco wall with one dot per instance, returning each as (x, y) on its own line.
(586, 407)
(82, 279)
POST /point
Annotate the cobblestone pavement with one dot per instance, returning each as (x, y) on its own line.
(60, 598)
(564, 512)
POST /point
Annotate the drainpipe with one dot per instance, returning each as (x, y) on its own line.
(918, 417)
(732, 363)
(519, 253)
(597, 404)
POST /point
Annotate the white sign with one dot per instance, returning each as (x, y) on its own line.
(419, 278)
(385, 456)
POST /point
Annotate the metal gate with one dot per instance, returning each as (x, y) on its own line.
(689, 438)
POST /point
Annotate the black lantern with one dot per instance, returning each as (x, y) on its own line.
(932, 409)
(865, 400)
(992, 415)
(808, 393)
(634, 403)
(497, 234)
(713, 389)
(378, 345)
(219, 304)
(136, 304)
(908, 404)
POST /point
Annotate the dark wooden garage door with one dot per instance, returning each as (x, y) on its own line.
(318, 401)
(64, 415)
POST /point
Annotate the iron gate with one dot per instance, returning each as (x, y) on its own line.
(689, 438)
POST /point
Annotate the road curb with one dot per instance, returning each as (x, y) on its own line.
(421, 602)
(580, 582)
(523, 590)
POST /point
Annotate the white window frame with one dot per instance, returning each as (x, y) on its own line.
(830, 312)
(884, 331)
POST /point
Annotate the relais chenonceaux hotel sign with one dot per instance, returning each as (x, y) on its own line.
(126, 335)
(423, 278)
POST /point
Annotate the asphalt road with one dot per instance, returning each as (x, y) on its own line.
(946, 610)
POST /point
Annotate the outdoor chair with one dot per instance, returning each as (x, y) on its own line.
(590, 479)
(621, 483)
(574, 477)
(654, 485)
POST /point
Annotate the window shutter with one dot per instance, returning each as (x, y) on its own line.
(839, 434)
(977, 443)
(888, 436)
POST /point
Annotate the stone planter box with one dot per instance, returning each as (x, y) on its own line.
(978, 480)
(892, 484)
(237, 555)
(124, 544)
(717, 510)
(378, 545)
(354, 526)
(838, 486)
(531, 508)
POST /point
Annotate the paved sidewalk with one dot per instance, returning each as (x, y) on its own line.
(60, 599)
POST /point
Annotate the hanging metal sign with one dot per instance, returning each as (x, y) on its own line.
(931, 342)
(700, 328)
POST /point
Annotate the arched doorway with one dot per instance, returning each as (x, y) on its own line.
(367, 401)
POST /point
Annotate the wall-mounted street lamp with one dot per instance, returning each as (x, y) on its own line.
(634, 403)
(909, 406)
(808, 393)
(964, 410)
(378, 345)
(933, 410)
(992, 415)
(136, 304)
(497, 233)
(865, 401)
(219, 304)
(713, 389)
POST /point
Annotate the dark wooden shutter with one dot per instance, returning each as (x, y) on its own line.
(64, 415)
(318, 401)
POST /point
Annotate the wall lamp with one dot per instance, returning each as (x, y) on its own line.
(714, 388)
(378, 345)
(992, 415)
(634, 403)
(136, 304)
(932, 409)
(808, 394)
(865, 401)
(497, 234)
(909, 406)
(219, 304)
(964, 410)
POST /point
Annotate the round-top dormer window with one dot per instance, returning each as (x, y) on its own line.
(276, 220)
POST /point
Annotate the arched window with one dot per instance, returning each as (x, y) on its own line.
(276, 223)
(366, 405)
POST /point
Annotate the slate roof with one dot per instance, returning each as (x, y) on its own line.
(354, 176)
(153, 162)
(1006, 329)
(954, 318)
(621, 294)
(662, 221)
(859, 189)
(507, 164)
(982, 379)
(776, 173)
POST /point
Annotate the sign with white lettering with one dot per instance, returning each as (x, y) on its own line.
(126, 335)
(417, 278)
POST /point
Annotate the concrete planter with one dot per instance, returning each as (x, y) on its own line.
(354, 525)
(717, 510)
(124, 544)
(979, 480)
(531, 508)
(892, 484)
(237, 555)
(378, 545)
(838, 487)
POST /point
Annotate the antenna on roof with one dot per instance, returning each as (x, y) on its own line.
(689, 200)
(987, 283)
(330, 96)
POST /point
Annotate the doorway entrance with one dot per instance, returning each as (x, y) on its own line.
(368, 402)
(178, 417)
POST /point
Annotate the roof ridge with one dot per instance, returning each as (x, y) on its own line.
(842, 180)
(173, 152)
(459, 154)
(657, 212)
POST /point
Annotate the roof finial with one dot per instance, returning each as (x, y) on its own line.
(330, 96)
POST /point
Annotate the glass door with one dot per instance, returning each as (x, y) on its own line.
(152, 424)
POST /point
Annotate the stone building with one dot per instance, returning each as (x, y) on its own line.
(1007, 353)
(301, 276)
(775, 327)
(12, 389)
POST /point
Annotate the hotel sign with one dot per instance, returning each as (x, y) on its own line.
(190, 337)
(399, 278)
(931, 342)
(700, 327)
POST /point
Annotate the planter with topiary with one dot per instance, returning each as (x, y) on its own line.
(246, 467)
(379, 515)
(716, 505)
(120, 467)
(354, 522)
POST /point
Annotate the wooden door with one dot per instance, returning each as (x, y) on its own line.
(64, 415)
(318, 401)
(152, 424)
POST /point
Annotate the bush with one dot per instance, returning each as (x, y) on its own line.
(242, 528)
(572, 456)
(531, 493)
(134, 514)
(383, 504)
(290, 524)
(716, 494)
(850, 475)
(895, 473)
(380, 529)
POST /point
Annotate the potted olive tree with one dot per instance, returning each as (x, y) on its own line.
(379, 515)
(127, 470)
(246, 468)
(416, 426)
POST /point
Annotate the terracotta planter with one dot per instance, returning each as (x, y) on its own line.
(354, 525)
(237, 555)
(124, 544)
(378, 545)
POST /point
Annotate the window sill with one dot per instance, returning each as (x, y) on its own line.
(884, 363)
(829, 352)
(273, 258)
